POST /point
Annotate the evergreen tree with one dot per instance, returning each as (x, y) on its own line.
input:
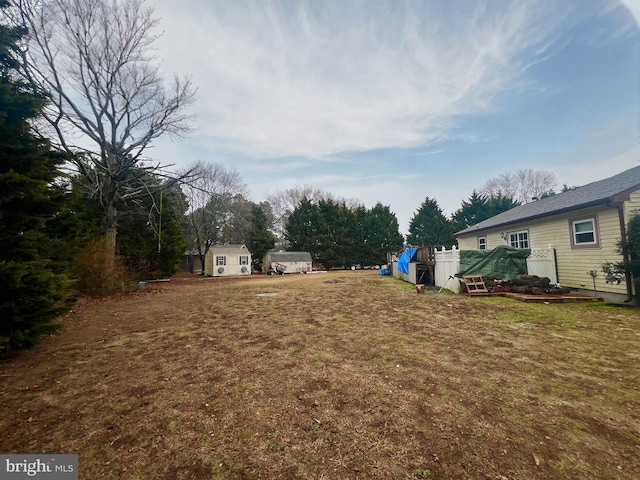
(32, 294)
(151, 240)
(429, 226)
(75, 224)
(261, 240)
(306, 230)
(171, 243)
(361, 248)
(336, 241)
(337, 235)
(478, 208)
(383, 235)
(498, 204)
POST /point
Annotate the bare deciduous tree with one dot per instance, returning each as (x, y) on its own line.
(108, 98)
(284, 202)
(524, 186)
(211, 196)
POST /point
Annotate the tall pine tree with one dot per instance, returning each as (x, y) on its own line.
(261, 240)
(383, 235)
(429, 226)
(31, 291)
(150, 240)
(478, 208)
(306, 230)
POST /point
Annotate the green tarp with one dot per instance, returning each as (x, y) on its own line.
(505, 263)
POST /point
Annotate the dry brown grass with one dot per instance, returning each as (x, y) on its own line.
(203, 378)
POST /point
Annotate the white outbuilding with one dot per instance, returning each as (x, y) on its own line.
(227, 260)
(293, 262)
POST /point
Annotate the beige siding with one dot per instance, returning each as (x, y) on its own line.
(232, 266)
(494, 239)
(468, 242)
(471, 242)
(573, 263)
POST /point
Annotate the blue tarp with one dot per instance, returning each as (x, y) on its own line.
(406, 257)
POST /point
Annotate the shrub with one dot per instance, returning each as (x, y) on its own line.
(99, 272)
(629, 248)
(31, 297)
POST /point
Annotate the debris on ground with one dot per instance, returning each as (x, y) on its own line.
(528, 284)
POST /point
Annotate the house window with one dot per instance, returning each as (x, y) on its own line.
(244, 259)
(583, 233)
(519, 239)
(221, 260)
(482, 243)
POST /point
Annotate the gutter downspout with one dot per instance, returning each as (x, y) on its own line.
(625, 252)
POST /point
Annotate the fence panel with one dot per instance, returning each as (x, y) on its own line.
(542, 262)
(447, 265)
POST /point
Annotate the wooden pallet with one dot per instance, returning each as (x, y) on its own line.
(475, 285)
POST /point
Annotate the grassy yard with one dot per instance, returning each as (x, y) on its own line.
(336, 376)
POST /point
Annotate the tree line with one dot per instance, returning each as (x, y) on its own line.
(339, 235)
(84, 210)
(430, 226)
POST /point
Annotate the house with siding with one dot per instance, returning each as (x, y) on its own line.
(583, 225)
(227, 260)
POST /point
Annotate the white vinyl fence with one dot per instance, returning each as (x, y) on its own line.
(541, 262)
(447, 265)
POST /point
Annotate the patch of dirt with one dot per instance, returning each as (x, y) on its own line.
(356, 378)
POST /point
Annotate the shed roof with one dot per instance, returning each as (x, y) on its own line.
(602, 192)
(229, 249)
(290, 256)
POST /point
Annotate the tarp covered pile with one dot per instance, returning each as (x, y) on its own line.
(503, 262)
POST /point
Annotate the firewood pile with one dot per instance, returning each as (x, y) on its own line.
(528, 284)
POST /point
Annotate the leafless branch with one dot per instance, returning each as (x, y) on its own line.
(524, 185)
(92, 58)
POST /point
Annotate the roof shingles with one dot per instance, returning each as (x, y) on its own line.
(592, 194)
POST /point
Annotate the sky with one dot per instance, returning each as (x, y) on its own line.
(395, 101)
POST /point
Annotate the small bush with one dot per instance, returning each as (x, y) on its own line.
(629, 248)
(99, 271)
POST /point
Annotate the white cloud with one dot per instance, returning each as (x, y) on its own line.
(634, 7)
(318, 78)
(431, 152)
(287, 87)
